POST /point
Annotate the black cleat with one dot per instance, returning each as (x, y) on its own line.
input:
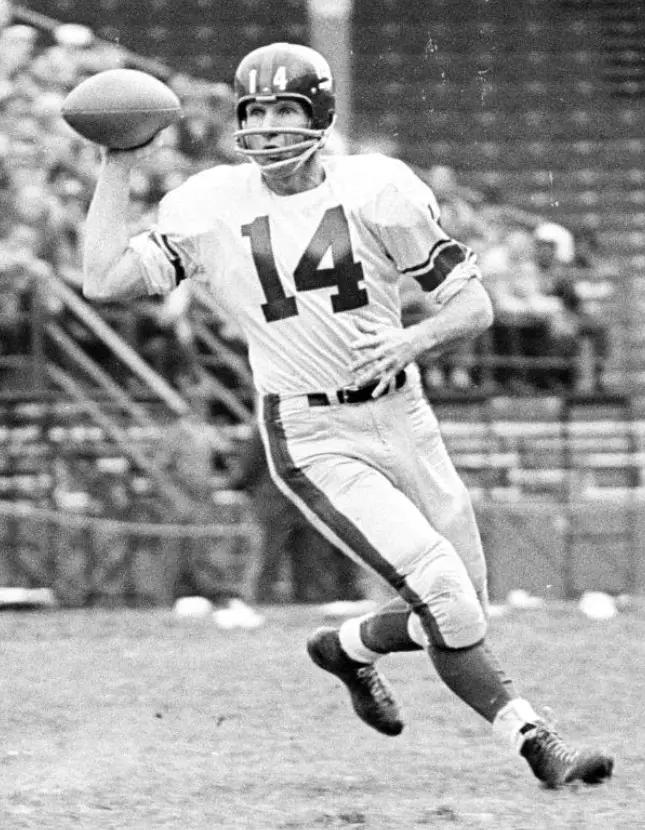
(371, 695)
(554, 763)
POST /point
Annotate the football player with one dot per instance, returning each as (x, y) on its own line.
(306, 251)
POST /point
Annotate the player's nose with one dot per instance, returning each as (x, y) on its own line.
(270, 121)
(269, 130)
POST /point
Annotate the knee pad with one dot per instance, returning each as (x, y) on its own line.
(452, 618)
(440, 591)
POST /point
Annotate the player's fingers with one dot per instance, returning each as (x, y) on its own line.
(366, 341)
(368, 369)
(365, 326)
(370, 375)
(383, 385)
(360, 364)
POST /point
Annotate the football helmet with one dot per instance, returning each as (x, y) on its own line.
(286, 70)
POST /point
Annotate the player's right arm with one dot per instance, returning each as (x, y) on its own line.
(111, 269)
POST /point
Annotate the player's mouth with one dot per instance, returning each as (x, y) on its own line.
(281, 154)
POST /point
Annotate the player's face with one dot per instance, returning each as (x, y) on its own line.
(271, 117)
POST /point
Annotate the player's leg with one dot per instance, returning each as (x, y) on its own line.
(442, 497)
(361, 511)
(365, 516)
(430, 480)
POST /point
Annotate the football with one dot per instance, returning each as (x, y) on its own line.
(121, 108)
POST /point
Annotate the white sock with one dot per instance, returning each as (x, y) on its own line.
(349, 634)
(512, 719)
(416, 632)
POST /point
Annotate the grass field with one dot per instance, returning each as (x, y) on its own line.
(133, 719)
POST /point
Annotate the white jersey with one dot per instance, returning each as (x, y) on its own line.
(297, 271)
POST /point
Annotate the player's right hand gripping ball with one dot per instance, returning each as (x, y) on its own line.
(121, 108)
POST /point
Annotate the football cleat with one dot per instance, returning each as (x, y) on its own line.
(371, 696)
(555, 763)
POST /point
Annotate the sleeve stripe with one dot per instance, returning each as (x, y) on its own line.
(161, 241)
(444, 257)
(424, 265)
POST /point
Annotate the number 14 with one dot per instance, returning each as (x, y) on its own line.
(332, 233)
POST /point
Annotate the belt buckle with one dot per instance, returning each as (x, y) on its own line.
(341, 394)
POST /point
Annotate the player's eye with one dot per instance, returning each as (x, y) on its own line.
(288, 109)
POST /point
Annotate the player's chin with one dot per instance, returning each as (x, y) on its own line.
(282, 170)
(281, 154)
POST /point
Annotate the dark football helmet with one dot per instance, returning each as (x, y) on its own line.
(286, 70)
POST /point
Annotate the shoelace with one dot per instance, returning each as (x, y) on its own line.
(551, 745)
(375, 685)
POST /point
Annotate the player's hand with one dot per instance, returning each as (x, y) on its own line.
(125, 158)
(381, 353)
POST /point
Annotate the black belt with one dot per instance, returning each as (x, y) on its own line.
(360, 395)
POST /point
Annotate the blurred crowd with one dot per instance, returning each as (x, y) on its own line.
(548, 334)
(549, 286)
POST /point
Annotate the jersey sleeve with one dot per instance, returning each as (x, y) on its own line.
(168, 252)
(405, 218)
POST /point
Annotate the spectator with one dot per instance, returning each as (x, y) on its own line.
(166, 168)
(62, 65)
(165, 338)
(204, 134)
(71, 197)
(23, 275)
(558, 263)
(17, 49)
(458, 204)
(187, 454)
(530, 323)
(35, 206)
(555, 243)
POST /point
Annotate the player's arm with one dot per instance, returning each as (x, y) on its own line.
(111, 269)
(382, 352)
(466, 315)
(405, 218)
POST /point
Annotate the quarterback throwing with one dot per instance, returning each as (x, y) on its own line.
(306, 251)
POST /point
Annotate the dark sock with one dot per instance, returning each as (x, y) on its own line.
(387, 629)
(476, 676)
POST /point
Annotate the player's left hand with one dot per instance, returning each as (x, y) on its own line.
(381, 353)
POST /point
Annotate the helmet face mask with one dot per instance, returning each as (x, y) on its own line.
(292, 72)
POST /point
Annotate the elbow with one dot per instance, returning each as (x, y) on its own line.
(102, 281)
(90, 288)
(487, 315)
(483, 311)
(96, 289)
(88, 292)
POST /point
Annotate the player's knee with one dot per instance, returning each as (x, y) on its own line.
(452, 618)
(465, 622)
(444, 598)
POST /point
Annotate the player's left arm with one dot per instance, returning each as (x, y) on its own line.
(382, 352)
(405, 218)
